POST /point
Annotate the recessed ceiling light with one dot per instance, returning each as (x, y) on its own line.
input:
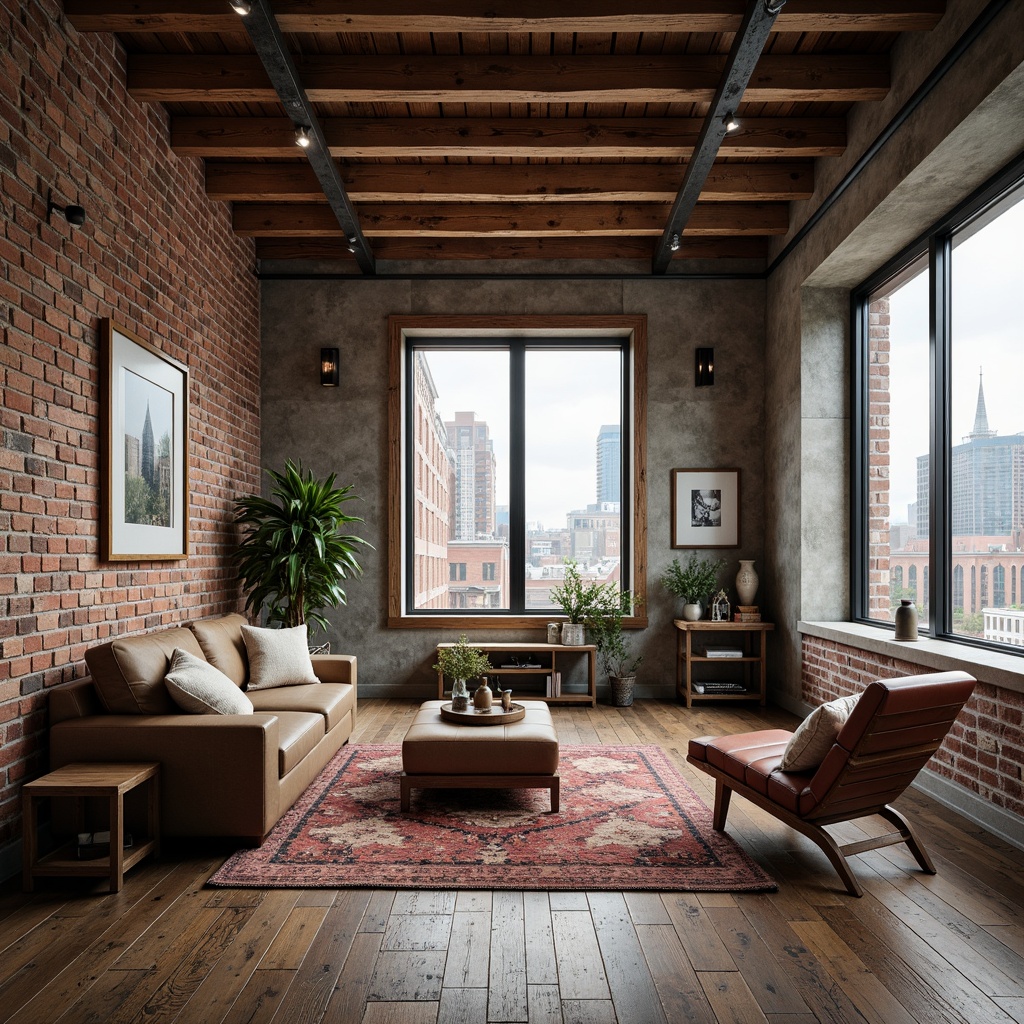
(302, 137)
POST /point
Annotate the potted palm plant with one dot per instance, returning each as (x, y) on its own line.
(579, 601)
(693, 583)
(293, 556)
(614, 646)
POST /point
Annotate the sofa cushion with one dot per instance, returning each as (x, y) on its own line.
(129, 672)
(200, 689)
(223, 647)
(815, 735)
(298, 734)
(277, 657)
(332, 700)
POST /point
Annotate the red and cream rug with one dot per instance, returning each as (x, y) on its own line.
(628, 820)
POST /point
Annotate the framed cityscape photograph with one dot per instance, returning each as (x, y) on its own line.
(144, 433)
(705, 508)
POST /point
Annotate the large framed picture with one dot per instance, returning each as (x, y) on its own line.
(145, 450)
(705, 508)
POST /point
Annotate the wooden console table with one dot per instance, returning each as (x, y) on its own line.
(112, 781)
(751, 637)
(548, 656)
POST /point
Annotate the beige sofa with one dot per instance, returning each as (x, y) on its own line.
(220, 775)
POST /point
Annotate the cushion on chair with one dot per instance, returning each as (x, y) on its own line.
(815, 735)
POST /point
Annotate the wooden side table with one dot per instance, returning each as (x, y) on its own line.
(111, 781)
(752, 658)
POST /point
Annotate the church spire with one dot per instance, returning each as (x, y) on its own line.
(981, 428)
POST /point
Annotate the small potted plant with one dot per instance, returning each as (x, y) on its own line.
(692, 583)
(579, 601)
(460, 662)
(614, 646)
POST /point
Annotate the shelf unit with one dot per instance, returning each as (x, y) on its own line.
(752, 638)
(549, 656)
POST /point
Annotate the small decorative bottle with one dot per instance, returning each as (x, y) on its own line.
(906, 620)
(460, 695)
(483, 698)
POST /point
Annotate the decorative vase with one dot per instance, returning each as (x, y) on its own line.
(692, 611)
(906, 620)
(622, 691)
(572, 634)
(506, 701)
(483, 698)
(746, 582)
(460, 695)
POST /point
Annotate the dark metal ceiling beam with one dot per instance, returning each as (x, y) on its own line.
(277, 60)
(743, 57)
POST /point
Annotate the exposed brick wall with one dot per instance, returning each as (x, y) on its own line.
(160, 257)
(984, 751)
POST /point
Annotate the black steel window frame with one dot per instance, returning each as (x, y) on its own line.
(517, 347)
(937, 243)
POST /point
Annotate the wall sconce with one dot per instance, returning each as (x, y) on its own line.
(74, 215)
(704, 368)
(329, 367)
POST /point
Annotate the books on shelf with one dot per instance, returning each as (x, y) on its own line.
(723, 652)
(746, 617)
(716, 686)
(554, 685)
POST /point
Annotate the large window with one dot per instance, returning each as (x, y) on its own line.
(939, 425)
(519, 450)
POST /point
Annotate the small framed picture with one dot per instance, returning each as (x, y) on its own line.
(705, 508)
(145, 450)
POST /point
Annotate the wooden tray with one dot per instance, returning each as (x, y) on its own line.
(473, 717)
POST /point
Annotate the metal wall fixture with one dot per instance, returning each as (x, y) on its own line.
(704, 368)
(74, 215)
(329, 367)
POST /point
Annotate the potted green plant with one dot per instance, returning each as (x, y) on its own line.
(692, 583)
(614, 646)
(579, 601)
(293, 556)
(459, 663)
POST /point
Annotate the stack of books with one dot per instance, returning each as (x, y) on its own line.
(554, 685)
(746, 613)
(723, 652)
(715, 686)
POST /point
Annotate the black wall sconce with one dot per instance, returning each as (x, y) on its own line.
(329, 367)
(74, 215)
(704, 368)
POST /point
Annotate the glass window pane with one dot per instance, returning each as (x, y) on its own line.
(987, 454)
(573, 472)
(898, 460)
(461, 478)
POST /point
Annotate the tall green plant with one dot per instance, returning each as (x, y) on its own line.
(614, 646)
(293, 557)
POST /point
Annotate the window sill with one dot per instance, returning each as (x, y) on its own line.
(496, 622)
(992, 667)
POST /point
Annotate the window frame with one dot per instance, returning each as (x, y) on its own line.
(631, 329)
(937, 245)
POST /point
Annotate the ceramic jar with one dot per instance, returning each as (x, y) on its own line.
(483, 698)
(692, 611)
(746, 582)
(906, 620)
(573, 634)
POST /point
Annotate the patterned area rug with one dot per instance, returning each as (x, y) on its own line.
(628, 820)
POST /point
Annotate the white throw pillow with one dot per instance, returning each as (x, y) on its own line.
(277, 657)
(200, 689)
(816, 735)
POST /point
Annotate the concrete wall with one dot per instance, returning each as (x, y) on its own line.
(969, 126)
(345, 429)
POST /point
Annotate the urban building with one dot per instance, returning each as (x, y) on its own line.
(473, 510)
(609, 463)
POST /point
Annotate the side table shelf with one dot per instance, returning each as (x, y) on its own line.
(547, 657)
(750, 637)
(110, 781)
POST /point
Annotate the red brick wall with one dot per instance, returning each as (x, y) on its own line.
(160, 257)
(984, 751)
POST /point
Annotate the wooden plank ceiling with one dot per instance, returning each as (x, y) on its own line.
(476, 129)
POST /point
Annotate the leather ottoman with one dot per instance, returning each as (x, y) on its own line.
(448, 755)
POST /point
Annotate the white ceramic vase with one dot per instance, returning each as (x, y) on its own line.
(573, 634)
(692, 612)
(746, 582)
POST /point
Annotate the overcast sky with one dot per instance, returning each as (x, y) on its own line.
(988, 336)
(569, 398)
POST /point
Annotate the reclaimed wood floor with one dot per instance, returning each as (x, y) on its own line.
(916, 948)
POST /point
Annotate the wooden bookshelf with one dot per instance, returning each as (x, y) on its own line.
(749, 637)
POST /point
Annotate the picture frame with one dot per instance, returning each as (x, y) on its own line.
(144, 436)
(705, 508)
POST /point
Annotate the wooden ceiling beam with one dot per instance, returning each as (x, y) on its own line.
(523, 16)
(629, 138)
(824, 78)
(472, 183)
(591, 247)
(526, 220)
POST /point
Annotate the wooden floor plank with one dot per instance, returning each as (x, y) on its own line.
(506, 980)
(543, 1004)
(580, 970)
(462, 1006)
(704, 949)
(351, 992)
(468, 963)
(730, 998)
(540, 941)
(681, 994)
